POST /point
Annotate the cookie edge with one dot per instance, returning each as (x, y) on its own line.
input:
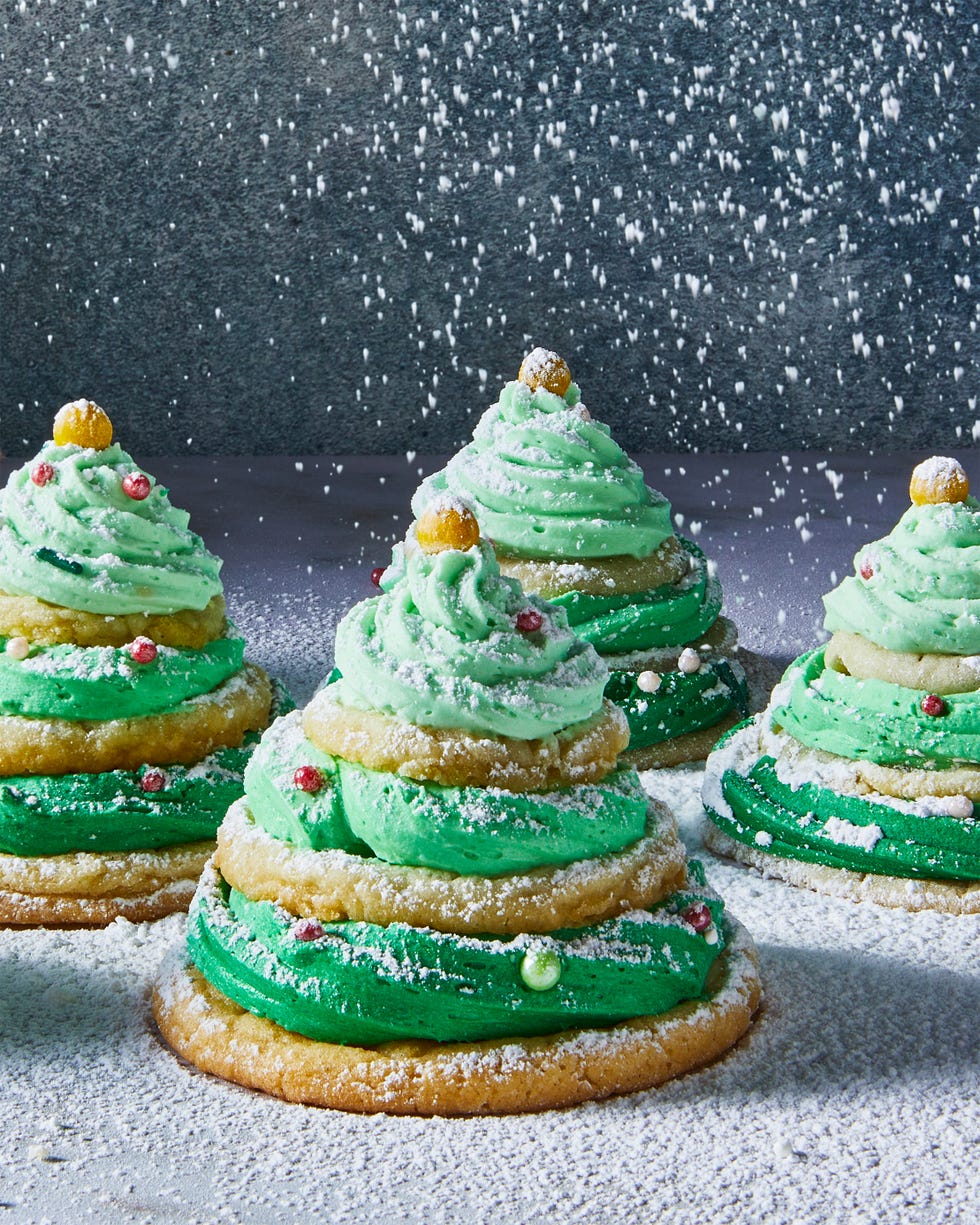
(502, 1076)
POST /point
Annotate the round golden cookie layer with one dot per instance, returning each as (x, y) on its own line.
(502, 1076)
(584, 753)
(600, 576)
(332, 885)
(905, 784)
(183, 736)
(46, 624)
(934, 673)
(94, 888)
(865, 778)
(898, 892)
(691, 746)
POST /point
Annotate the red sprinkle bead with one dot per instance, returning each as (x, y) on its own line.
(529, 620)
(932, 704)
(308, 778)
(376, 574)
(306, 929)
(42, 472)
(153, 780)
(136, 485)
(867, 569)
(698, 915)
(143, 650)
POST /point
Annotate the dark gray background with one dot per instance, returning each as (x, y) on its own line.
(309, 228)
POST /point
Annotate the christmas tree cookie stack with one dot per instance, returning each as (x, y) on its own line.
(126, 710)
(572, 519)
(440, 894)
(862, 776)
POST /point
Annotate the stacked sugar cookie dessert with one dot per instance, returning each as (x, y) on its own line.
(126, 709)
(440, 894)
(862, 776)
(572, 519)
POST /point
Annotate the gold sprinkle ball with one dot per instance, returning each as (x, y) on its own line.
(447, 526)
(542, 368)
(938, 479)
(82, 424)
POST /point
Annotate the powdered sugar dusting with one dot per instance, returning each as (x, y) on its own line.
(854, 1098)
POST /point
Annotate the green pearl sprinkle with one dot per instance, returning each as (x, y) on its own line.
(540, 969)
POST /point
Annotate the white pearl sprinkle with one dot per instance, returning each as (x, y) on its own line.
(690, 661)
(18, 648)
(958, 806)
(648, 682)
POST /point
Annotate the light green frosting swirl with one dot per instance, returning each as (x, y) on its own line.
(440, 648)
(82, 683)
(468, 830)
(79, 541)
(873, 720)
(924, 593)
(546, 480)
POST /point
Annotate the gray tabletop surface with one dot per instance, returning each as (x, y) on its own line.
(854, 1097)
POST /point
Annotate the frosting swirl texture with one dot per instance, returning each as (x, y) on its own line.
(80, 541)
(441, 647)
(547, 480)
(918, 588)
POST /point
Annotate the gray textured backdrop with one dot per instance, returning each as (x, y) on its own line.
(336, 227)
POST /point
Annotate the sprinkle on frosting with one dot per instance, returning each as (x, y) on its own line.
(543, 368)
(82, 424)
(447, 525)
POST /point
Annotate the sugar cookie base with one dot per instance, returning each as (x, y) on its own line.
(332, 885)
(502, 1076)
(600, 576)
(46, 624)
(898, 892)
(182, 736)
(584, 753)
(92, 889)
(860, 657)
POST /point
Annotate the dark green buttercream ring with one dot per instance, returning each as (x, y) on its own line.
(358, 983)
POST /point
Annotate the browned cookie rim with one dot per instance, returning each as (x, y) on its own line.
(332, 885)
(135, 885)
(501, 1076)
(47, 624)
(896, 892)
(583, 753)
(197, 727)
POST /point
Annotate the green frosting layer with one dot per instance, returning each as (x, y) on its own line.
(82, 683)
(455, 829)
(812, 823)
(685, 702)
(924, 593)
(314, 820)
(58, 814)
(79, 541)
(664, 616)
(488, 831)
(363, 984)
(546, 480)
(874, 720)
(440, 647)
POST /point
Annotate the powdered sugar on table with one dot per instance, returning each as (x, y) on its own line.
(855, 1097)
